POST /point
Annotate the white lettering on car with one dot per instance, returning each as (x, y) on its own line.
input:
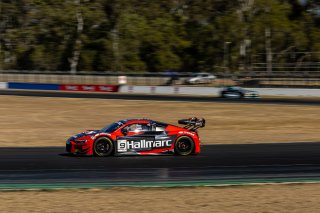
(125, 145)
(122, 145)
(186, 133)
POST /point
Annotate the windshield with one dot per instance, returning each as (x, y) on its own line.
(112, 127)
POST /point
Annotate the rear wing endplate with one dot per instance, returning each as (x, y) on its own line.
(193, 123)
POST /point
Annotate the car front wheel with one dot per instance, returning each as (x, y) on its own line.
(103, 147)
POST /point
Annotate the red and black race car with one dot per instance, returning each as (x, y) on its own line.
(139, 137)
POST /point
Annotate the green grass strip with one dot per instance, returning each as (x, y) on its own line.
(42, 186)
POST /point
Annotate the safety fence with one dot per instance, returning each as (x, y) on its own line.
(248, 79)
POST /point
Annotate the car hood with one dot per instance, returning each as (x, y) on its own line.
(85, 133)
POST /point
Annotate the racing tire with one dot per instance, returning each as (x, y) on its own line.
(184, 146)
(103, 147)
(222, 95)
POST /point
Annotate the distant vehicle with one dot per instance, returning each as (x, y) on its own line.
(238, 92)
(139, 137)
(200, 78)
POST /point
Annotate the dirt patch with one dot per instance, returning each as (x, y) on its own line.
(39, 121)
(264, 198)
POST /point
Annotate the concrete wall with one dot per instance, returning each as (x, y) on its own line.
(3, 85)
(214, 91)
(170, 90)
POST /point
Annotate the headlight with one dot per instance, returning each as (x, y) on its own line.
(80, 141)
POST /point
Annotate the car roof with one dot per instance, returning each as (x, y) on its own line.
(235, 87)
(142, 120)
(133, 120)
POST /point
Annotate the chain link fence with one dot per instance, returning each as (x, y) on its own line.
(245, 78)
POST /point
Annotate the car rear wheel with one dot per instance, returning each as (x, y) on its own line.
(184, 146)
(222, 94)
(103, 147)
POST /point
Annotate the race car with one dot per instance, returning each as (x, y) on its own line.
(238, 92)
(200, 78)
(139, 137)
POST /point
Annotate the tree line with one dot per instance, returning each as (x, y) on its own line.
(154, 36)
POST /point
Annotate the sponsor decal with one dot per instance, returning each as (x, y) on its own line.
(124, 145)
(187, 133)
(74, 88)
(90, 88)
(105, 88)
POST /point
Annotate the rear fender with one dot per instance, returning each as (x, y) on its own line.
(194, 136)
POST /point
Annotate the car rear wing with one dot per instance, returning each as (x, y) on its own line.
(193, 123)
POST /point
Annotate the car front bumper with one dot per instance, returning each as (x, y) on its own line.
(78, 148)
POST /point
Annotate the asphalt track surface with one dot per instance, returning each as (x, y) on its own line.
(156, 97)
(287, 161)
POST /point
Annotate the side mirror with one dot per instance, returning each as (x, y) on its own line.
(124, 131)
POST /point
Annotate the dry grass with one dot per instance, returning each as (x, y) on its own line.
(38, 121)
(264, 198)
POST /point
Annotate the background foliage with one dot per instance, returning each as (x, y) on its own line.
(149, 35)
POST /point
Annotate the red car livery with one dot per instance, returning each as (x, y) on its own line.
(139, 137)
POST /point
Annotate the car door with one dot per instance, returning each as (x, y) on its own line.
(234, 92)
(206, 78)
(161, 138)
(135, 138)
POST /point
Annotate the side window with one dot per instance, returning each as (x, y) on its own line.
(159, 128)
(137, 127)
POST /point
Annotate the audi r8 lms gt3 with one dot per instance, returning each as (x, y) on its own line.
(238, 92)
(139, 137)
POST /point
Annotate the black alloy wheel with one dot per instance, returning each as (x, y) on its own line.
(184, 146)
(103, 147)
